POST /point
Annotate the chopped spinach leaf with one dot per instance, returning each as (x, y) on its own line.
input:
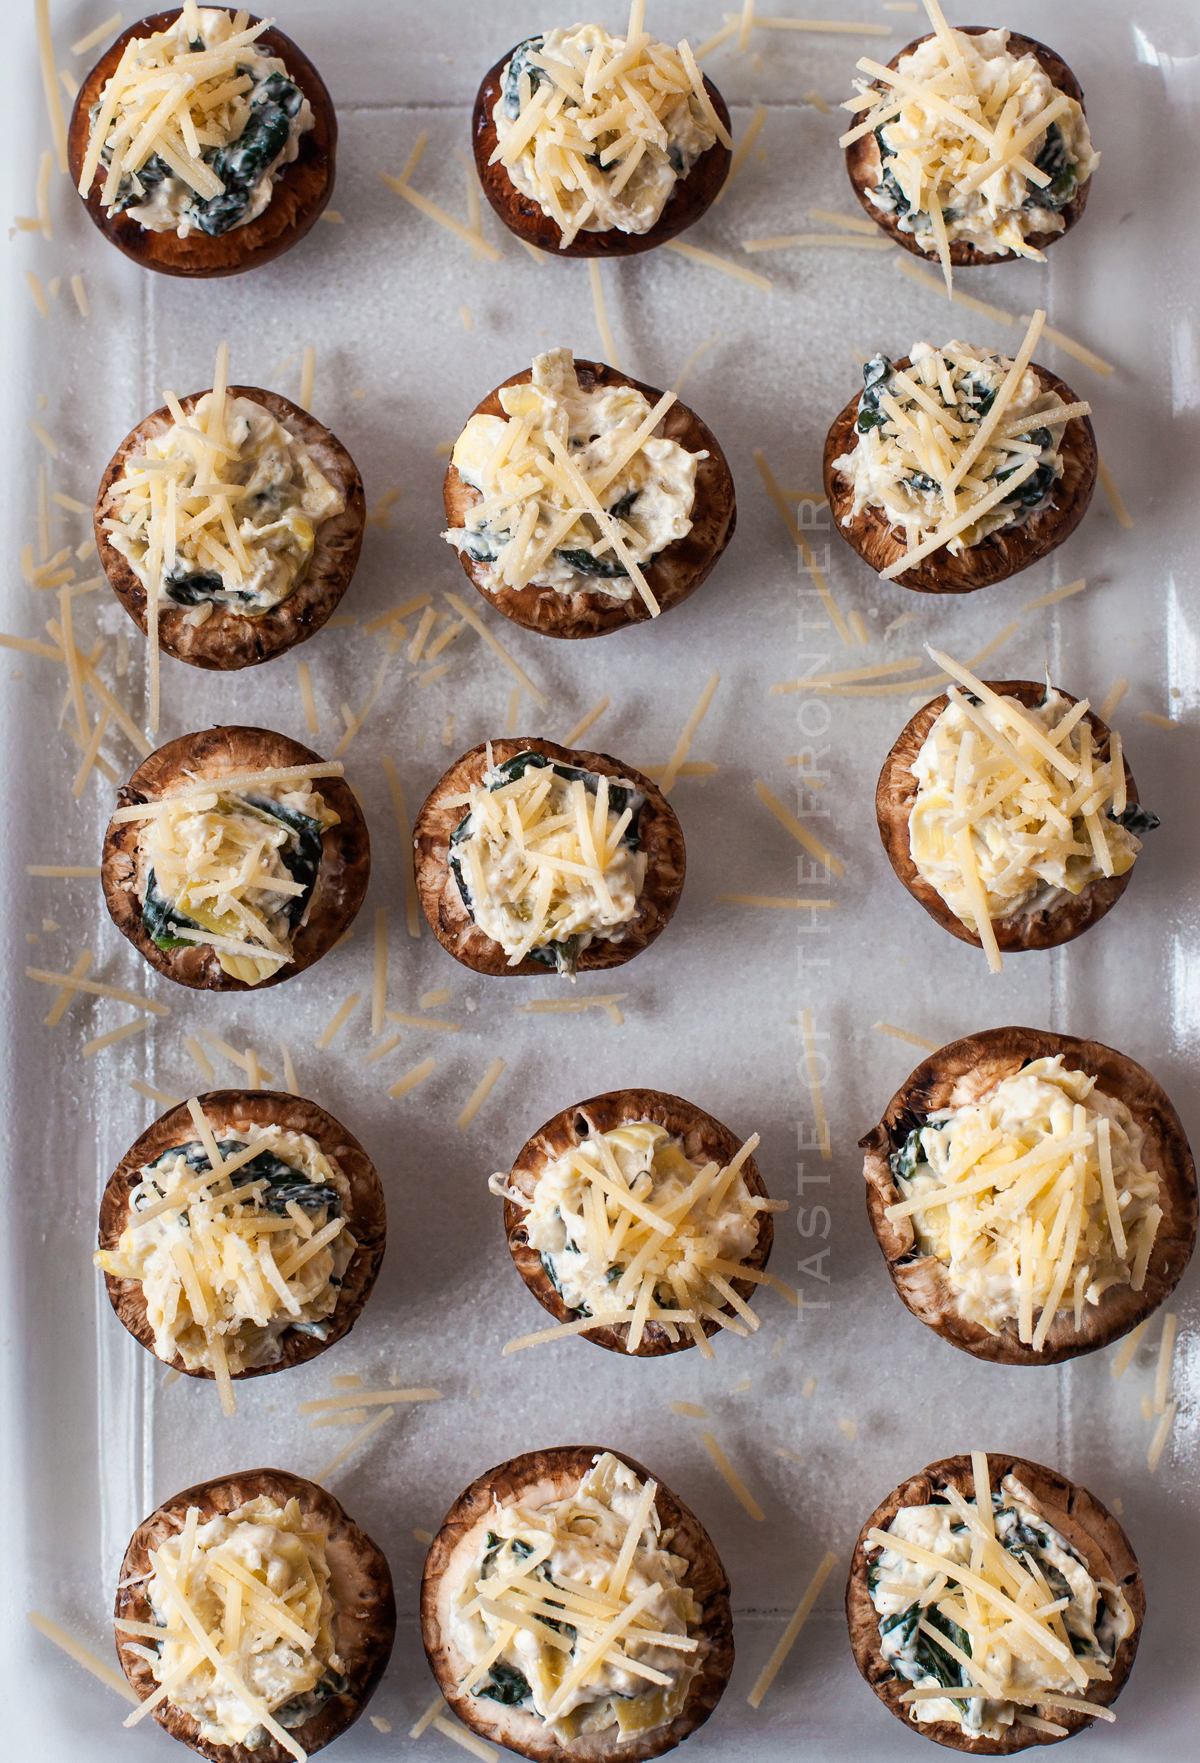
(562, 956)
(904, 1160)
(162, 919)
(1034, 489)
(1136, 819)
(622, 508)
(506, 1685)
(519, 64)
(585, 564)
(302, 854)
(1059, 169)
(195, 587)
(876, 375)
(285, 1182)
(243, 163)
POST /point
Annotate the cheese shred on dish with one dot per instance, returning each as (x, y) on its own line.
(986, 1597)
(235, 869)
(1016, 805)
(916, 459)
(230, 1261)
(576, 493)
(1033, 1196)
(256, 1584)
(194, 127)
(597, 129)
(576, 1610)
(222, 507)
(547, 860)
(975, 144)
(631, 1230)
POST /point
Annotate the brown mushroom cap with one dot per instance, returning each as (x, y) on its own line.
(1000, 554)
(535, 1479)
(661, 838)
(236, 1112)
(363, 1623)
(1063, 916)
(690, 196)
(704, 1139)
(229, 639)
(297, 200)
(862, 158)
(1077, 1515)
(215, 753)
(674, 573)
(963, 1072)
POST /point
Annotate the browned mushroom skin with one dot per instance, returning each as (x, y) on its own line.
(1000, 554)
(690, 196)
(215, 753)
(862, 159)
(1065, 915)
(535, 1479)
(297, 200)
(229, 639)
(965, 1071)
(674, 573)
(236, 1112)
(1077, 1515)
(661, 838)
(363, 1622)
(704, 1139)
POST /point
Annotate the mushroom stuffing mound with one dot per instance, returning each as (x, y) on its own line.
(975, 146)
(531, 856)
(203, 142)
(253, 1617)
(1034, 1195)
(957, 467)
(1008, 812)
(575, 1611)
(994, 1605)
(236, 858)
(581, 501)
(229, 524)
(639, 1222)
(241, 1234)
(594, 145)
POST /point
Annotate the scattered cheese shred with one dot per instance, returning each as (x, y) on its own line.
(802, 545)
(115, 1034)
(451, 1028)
(431, 211)
(1128, 1348)
(97, 988)
(1161, 1434)
(380, 977)
(787, 1640)
(1110, 490)
(83, 1656)
(337, 1020)
(58, 122)
(809, 241)
(601, 312)
(731, 1476)
(778, 900)
(452, 1730)
(434, 1708)
(412, 1078)
(360, 1438)
(1051, 599)
(360, 1398)
(97, 36)
(742, 151)
(904, 1034)
(480, 1094)
(710, 260)
(498, 649)
(683, 745)
(689, 1410)
(307, 701)
(412, 901)
(1162, 1371)
(799, 832)
(813, 1079)
(585, 722)
(815, 681)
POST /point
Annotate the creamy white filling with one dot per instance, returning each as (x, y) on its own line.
(1097, 1616)
(994, 217)
(575, 1542)
(652, 494)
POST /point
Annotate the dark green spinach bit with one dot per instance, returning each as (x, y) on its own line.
(624, 507)
(877, 374)
(194, 588)
(932, 1660)
(1064, 180)
(161, 919)
(243, 163)
(904, 1160)
(303, 1707)
(284, 1181)
(506, 1685)
(562, 956)
(607, 567)
(520, 63)
(302, 854)
(1136, 819)
(1035, 488)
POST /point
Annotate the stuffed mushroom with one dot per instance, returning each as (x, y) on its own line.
(575, 1541)
(952, 471)
(229, 173)
(994, 1605)
(587, 1196)
(229, 525)
(532, 857)
(235, 859)
(575, 513)
(252, 1263)
(593, 145)
(253, 1617)
(975, 146)
(1008, 812)
(1033, 1194)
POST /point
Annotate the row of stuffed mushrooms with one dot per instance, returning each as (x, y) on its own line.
(574, 1609)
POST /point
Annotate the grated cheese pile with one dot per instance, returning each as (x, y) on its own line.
(242, 1639)
(547, 858)
(575, 1610)
(1015, 805)
(631, 1230)
(597, 129)
(230, 1260)
(576, 494)
(986, 1597)
(1033, 1196)
(236, 869)
(916, 427)
(221, 509)
(975, 144)
(195, 125)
